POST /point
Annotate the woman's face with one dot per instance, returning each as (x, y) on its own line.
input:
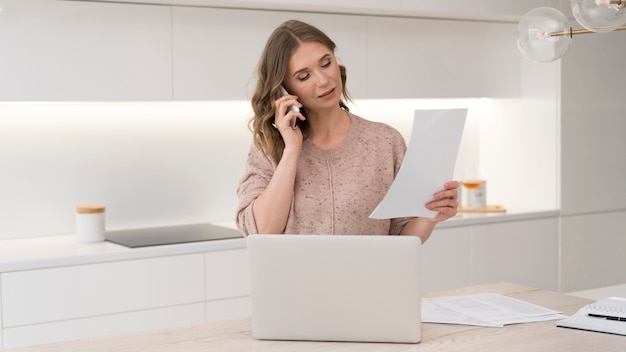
(313, 75)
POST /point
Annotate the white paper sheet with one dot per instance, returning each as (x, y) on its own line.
(489, 309)
(427, 165)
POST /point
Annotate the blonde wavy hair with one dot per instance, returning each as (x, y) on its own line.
(271, 71)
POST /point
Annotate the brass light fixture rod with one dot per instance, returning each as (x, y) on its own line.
(572, 32)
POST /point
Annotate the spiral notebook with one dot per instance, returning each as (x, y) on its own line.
(606, 315)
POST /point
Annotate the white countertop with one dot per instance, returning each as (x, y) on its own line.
(65, 250)
(466, 219)
(602, 292)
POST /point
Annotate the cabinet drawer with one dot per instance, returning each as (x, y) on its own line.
(163, 318)
(446, 259)
(48, 295)
(524, 252)
(227, 274)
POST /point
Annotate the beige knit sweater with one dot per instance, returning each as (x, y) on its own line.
(335, 190)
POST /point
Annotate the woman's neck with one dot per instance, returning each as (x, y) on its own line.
(328, 129)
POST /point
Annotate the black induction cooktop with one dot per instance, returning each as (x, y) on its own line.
(157, 236)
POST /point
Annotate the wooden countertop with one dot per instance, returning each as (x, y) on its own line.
(236, 335)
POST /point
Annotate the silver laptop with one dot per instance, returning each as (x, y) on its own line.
(335, 288)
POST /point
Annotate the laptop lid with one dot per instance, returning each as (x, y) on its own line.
(335, 288)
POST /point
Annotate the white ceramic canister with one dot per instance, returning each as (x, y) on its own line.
(90, 223)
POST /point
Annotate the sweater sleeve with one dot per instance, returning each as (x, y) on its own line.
(258, 173)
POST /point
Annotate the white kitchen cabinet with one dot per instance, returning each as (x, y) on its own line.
(427, 58)
(593, 250)
(521, 251)
(122, 323)
(119, 51)
(74, 292)
(524, 252)
(227, 277)
(446, 259)
(476, 10)
(227, 274)
(216, 50)
(84, 51)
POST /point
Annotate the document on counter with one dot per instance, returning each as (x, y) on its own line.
(427, 165)
(488, 309)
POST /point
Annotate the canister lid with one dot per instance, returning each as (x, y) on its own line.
(90, 208)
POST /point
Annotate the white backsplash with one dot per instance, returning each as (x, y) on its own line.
(164, 163)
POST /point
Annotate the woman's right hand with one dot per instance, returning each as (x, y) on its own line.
(292, 135)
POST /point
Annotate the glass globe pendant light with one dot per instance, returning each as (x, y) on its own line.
(545, 34)
(600, 16)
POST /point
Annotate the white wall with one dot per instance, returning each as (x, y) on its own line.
(165, 163)
(151, 164)
(514, 141)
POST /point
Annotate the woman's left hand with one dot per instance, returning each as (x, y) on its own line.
(445, 203)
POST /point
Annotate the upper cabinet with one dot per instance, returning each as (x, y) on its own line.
(82, 51)
(491, 10)
(216, 50)
(109, 51)
(422, 58)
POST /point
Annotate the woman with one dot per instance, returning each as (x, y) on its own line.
(326, 173)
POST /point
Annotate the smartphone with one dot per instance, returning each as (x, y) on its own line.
(293, 108)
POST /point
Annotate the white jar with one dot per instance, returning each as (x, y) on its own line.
(90, 224)
(475, 197)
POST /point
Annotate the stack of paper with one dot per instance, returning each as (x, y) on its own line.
(489, 309)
